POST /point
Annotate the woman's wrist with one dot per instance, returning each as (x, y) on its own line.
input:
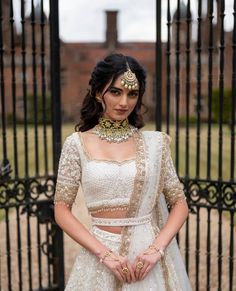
(155, 248)
(159, 249)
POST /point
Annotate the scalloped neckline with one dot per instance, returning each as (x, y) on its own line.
(90, 159)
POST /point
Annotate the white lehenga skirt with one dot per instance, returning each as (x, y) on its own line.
(88, 274)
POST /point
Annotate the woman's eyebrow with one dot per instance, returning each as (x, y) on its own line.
(113, 87)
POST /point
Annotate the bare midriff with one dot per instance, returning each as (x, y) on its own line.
(112, 215)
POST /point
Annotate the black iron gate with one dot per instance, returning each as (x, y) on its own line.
(31, 248)
(196, 105)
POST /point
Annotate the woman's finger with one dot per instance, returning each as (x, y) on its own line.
(140, 271)
(122, 273)
(131, 272)
(118, 275)
(146, 272)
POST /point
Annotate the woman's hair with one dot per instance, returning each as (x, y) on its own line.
(105, 72)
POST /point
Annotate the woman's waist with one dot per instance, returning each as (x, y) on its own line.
(121, 220)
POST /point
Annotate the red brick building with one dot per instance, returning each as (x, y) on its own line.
(78, 60)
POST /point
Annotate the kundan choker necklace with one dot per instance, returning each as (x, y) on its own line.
(114, 131)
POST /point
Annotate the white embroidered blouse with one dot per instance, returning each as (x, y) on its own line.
(110, 183)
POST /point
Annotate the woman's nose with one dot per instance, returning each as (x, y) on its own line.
(124, 100)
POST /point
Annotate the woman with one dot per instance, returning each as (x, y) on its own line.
(128, 178)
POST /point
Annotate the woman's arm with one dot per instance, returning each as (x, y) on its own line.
(178, 215)
(78, 232)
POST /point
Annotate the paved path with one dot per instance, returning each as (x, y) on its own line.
(71, 249)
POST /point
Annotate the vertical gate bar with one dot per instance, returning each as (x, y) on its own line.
(197, 254)
(187, 246)
(24, 80)
(48, 259)
(220, 250)
(13, 74)
(231, 251)
(208, 252)
(8, 250)
(210, 52)
(35, 97)
(55, 82)
(24, 88)
(199, 72)
(29, 255)
(3, 113)
(188, 78)
(177, 87)
(168, 68)
(19, 247)
(58, 249)
(39, 254)
(221, 9)
(43, 88)
(221, 85)
(233, 122)
(158, 67)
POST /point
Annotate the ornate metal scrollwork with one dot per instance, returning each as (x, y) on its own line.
(221, 195)
(5, 171)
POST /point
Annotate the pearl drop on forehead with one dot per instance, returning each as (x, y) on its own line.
(129, 79)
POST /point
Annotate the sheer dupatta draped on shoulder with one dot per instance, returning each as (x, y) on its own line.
(156, 186)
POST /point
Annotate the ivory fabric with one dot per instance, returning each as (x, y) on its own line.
(109, 184)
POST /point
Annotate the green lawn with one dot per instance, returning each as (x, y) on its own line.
(69, 128)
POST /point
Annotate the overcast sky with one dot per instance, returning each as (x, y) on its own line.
(83, 20)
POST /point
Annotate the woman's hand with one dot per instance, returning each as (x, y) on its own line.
(119, 266)
(145, 262)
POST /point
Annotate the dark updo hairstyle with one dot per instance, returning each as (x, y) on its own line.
(107, 71)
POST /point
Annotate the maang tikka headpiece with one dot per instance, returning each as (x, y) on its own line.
(129, 79)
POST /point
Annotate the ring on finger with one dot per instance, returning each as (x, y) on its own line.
(125, 270)
(139, 265)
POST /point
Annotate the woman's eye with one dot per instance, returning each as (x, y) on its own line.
(133, 94)
(115, 92)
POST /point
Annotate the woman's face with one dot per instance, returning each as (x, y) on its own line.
(119, 101)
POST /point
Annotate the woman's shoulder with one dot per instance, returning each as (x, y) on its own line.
(72, 139)
(157, 136)
(155, 133)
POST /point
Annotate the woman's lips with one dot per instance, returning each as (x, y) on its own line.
(121, 111)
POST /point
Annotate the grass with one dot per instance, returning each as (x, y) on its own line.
(69, 128)
(214, 151)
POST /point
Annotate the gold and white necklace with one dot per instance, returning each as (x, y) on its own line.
(114, 131)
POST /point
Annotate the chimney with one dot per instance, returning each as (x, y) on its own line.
(111, 32)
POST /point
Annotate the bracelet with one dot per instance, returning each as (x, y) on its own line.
(106, 254)
(158, 250)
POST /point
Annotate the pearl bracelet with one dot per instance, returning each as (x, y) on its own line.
(158, 250)
(106, 254)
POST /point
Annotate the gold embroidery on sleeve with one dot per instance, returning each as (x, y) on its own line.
(69, 173)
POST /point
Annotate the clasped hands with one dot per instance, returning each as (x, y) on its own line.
(127, 272)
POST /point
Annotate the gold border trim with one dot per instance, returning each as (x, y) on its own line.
(135, 198)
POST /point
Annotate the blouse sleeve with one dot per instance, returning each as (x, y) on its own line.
(69, 173)
(172, 188)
